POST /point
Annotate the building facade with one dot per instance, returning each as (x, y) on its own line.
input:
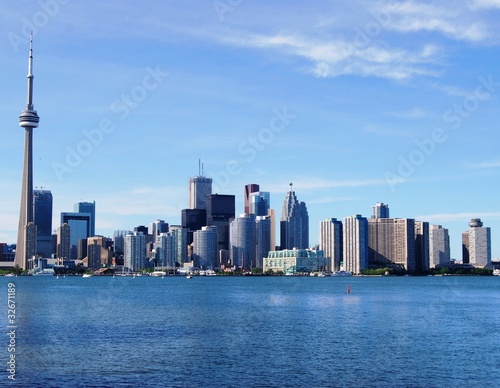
(242, 241)
(355, 243)
(198, 190)
(293, 261)
(294, 223)
(42, 217)
(439, 246)
(134, 255)
(205, 247)
(330, 242)
(479, 244)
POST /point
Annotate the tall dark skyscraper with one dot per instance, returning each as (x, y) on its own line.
(43, 221)
(79, 229)
(26, 233)
(294, 223)
(220, 211)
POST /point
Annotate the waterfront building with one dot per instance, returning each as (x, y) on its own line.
(294, 223)
(134, 256)
(165, 250)
(205, 247)
(98, 254)
(422, 250)
(242, 241)
(42, 217)
(355, 243)
(80, 226)
(26, 240)
(262, 239)
(220, 211)
(439, 246)
(330, 242)
(380, 210)
(199, 188)
(478, 244)
(249, 189)
(292, 261)
(89, 208)
(63, 243)
(391, 241)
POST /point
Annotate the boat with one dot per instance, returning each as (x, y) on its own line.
(10, 275)
(86, 275)
(158, 273)
(188, 276)
(44, 273)
(341, 273)
(496, 272)
(322, 275)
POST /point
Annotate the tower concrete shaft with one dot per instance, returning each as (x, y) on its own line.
(26, 235)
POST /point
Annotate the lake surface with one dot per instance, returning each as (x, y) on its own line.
(254, 331)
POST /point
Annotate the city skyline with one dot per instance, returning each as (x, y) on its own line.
(346, 102)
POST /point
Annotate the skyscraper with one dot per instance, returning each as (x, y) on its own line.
(242, 241)
(205, 247)
(439, 246)
(79, 226)
(87, 207)
(294, 223)
(380, 210)
(259, 203)
(249, 189)
(392, 241)
(479, 244)
(43, 220)
(220, 211)
(199, 188)
(262, 239)
(422, 240)
(330, 242)
(26, 237)
(355, 239)
(134, 256)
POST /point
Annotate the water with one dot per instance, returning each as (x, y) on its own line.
(254, 331)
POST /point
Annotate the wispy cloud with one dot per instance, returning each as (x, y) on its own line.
(313, 184)
(412, 17)
(485, 4)
(483, 165)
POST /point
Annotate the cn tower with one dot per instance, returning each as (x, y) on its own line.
(26, 234)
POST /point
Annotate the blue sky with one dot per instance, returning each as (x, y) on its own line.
(354, 102)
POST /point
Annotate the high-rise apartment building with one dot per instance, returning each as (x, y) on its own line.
(134, 256)
(158, 227)
(380, 210)
(392, 241)
(199, 188)
(242, 243)
(330, 242)
(205, 247)
(294, 223)
(355, 243)
(42, 218)
(26, 233)
(259, 203)
(439, 246)
(422, 250)
(479, 244)
(98, 253)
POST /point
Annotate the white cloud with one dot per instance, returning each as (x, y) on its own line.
(454, 23)
(335, 57)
